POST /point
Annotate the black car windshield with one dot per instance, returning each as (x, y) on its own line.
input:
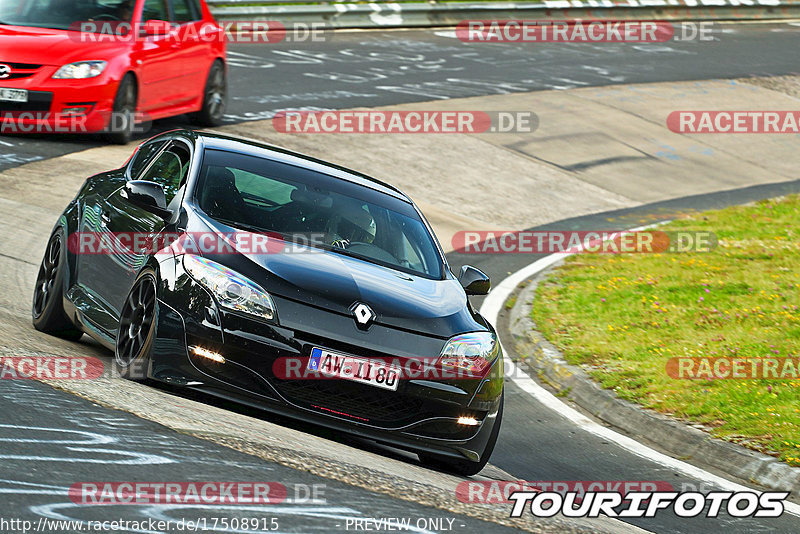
(307, 206)
(65, 14)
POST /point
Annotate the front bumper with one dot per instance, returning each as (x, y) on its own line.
(422, 415)
(48, 98)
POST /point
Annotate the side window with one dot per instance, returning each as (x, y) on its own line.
(143, 157)
(155, 10)
(183, 11)
(169, 170)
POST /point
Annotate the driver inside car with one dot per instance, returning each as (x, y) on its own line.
(125, 10)
(350, 224)
(55, 10)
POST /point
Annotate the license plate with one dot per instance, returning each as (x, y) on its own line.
(370, 372)
(13, 95)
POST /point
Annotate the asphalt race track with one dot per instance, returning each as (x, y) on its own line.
(86, 438)
(365, 69)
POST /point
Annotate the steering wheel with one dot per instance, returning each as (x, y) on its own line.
(108, 16)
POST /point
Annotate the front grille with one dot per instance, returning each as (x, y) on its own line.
(359, 401)
(18, 76)
(22, 66)
(20, 70)
(38, 102)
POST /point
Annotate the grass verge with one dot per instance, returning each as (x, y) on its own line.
(622, 317)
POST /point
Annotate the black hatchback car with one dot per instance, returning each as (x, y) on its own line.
(267, 277)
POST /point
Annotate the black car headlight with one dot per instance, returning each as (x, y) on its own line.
(232, 290)
(470, 353)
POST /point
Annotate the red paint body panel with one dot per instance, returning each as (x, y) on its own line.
(170, 70)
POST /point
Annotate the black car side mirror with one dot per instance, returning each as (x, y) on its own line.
(148, 196)
(474, 281)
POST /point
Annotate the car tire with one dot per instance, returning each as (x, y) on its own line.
(465, 467)
(48, 293)
(123, 119)
(215, 97)
(137, 326)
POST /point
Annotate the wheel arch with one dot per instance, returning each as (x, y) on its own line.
(136, 84)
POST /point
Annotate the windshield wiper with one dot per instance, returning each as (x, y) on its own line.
(356, 255)
(258, 199)
(243, 226)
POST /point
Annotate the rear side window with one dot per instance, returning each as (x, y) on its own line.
(184, 11)
(155, 10)
(143, 156)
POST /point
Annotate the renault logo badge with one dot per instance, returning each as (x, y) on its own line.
(363, 314)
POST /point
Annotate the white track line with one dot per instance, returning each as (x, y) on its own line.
(491, 310)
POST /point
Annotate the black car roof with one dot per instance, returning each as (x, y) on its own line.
(283, 155)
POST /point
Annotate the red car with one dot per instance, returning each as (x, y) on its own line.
(106, 65)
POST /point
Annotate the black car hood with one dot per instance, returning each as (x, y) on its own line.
(336, 282)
